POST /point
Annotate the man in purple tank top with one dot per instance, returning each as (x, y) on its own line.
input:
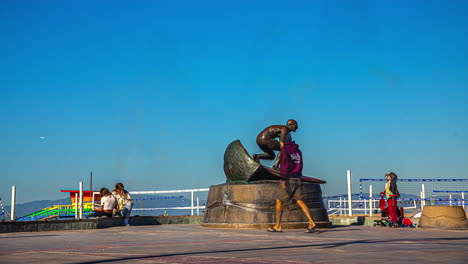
(291, 170)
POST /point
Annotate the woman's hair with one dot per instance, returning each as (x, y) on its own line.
(392, 175)
(105, 192)
(119, 187)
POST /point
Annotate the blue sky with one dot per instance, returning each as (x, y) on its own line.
(150, 93)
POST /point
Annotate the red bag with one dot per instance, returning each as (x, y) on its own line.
(382, 201)
(407, 222)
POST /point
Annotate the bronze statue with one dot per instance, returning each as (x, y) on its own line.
(247, 197)
(267, 142)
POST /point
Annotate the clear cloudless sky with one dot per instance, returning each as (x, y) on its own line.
(150, 93)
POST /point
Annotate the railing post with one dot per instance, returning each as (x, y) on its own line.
(81, 200)
(371, 205)
(341, 206)
(76, 205)
(3, 209)
(421, 200)
(463, 200)
(365, 206)
(350, 206)
(191, 200)
(423, 196)
(198, 206)
(92, 199)
(13, 203)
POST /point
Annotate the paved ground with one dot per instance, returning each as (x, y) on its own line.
(193, 244)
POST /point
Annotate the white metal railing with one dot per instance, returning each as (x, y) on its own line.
(192, 206)
(341, 206)
(363, 206)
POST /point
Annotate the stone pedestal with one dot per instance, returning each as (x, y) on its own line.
(252, 205)
(443, 217)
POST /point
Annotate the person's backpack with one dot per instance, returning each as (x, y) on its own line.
(291, 160)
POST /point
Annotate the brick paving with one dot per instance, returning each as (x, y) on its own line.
(194, 244)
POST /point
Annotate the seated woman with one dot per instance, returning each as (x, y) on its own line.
(124, 200)
(108, 203)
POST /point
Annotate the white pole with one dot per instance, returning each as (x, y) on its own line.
(371, 200)
(13, 203)
(450, 199)
(423, 202)
(365, 207)
(463, 200)
(76, 205)
(81, 200)
(350, 207)
(198, 206)
(191, 207)
(421, 195)
(341, 206)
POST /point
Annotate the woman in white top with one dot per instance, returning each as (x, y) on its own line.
(108, 203)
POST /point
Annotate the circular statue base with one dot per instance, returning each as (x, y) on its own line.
(443, 217)
(252, 205)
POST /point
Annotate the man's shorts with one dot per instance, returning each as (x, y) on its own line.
(292, 192)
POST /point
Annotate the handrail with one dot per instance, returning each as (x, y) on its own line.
(69, 209)
(191, 191)
(174, 191)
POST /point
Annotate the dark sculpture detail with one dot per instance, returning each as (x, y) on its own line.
(267, 142)
(240, 167)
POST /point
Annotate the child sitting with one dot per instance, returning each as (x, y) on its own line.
(108, 203)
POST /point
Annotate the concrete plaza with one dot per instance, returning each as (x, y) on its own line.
(194, 244)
